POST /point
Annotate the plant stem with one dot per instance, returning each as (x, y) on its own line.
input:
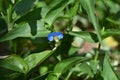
(97, 53)
(9, 18)
(69, 74)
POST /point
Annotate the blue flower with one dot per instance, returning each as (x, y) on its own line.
(52, 35)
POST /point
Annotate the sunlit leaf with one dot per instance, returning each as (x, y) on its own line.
(72, 50)
(73, 10)
(88, 5)
(87, 36)
(47, 8)
(65, 65)
(113, 7)
(37, 58)
(52, 15)
(108, 73)
(93, 64)
(114, 21)
(23, 30)
(111, 32)
(86, 69)
(31, 18)
(52, 77)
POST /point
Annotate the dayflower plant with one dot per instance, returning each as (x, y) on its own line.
(55, 36)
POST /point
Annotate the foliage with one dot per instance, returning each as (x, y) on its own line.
(69, 24)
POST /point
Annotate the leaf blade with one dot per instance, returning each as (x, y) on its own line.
(23, 30)
(108, 73)
(37, 58)
(15, 63)
(21, 7)
(87, 36)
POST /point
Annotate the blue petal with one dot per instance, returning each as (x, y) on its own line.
(60, 35)
(50, 37)
(53, 34)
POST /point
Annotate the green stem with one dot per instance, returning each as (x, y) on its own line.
(97, 53)
(9, 17)
(96, 56)
(10, 26)
(96, 27)
(70, 73)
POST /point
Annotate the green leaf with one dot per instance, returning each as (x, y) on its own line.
(52, 15)
(64, 65)
(14, 63)
(73, 50)
(113, 7)
(23, 30)
(7, 74)
(88, 5)
(85, 69)
(36, 58)
(3, 27)
(111, 32)
(117, 22)
(93, 65)
(73, 10)
(1, 5)
(108, 73)
(24, 6)
(43, 70)
(52, 77)
(87, 36)
(31, 18)
(47, 8)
